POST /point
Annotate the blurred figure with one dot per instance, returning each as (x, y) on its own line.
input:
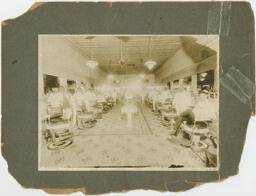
(72, 101)
(79, 100)
(204, 108)
(165, 95)
(153, 94)
(90, 99)
(55, 98)
(129, 107)
(143, 95)
(58, 104)
(182, 100)
(114, 95)
(100, 97)
(67, 105)
(128, 96)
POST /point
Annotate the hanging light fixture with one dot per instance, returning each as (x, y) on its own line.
(204, 74)
(150, 63)
(91, 63)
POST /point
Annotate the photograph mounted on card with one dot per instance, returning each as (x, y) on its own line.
(121, 102)
(112, 97)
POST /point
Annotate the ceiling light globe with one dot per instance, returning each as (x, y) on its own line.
(92, 64)
(150, 64)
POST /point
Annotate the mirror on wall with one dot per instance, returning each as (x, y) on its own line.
(205, 80)
(50, 82)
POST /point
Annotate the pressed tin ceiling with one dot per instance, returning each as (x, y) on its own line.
(126, 54)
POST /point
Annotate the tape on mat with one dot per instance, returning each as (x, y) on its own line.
(219, 18)
(238, 84)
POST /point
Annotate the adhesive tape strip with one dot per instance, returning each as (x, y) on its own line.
(238, 84)
(219, 18)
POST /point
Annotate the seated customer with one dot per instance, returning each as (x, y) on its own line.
(68, 104)
(183, 104)
(203, 110)
(91, 102)
(55, 103)
(55, 98)
(165, 95)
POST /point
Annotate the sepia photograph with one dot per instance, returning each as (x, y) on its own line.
(128, 98)
(128, 102)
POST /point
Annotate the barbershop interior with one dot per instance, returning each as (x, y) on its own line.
(128, 101)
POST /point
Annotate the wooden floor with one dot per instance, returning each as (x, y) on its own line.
(112, 144)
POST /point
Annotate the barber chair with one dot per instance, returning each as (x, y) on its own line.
(168, 118)
(164, 107)
(195, 132)
(200, 135)
(168, 114)
(110, 101)
(106, 107)
(211, 151)
(97, 110)
(58, 129)
(85, 118)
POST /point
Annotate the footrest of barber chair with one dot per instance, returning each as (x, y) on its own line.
(200, 147)
(64, 135)
(58, 128)
(61, 131)
(60, 144)
(184, 142)
(83, 124)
